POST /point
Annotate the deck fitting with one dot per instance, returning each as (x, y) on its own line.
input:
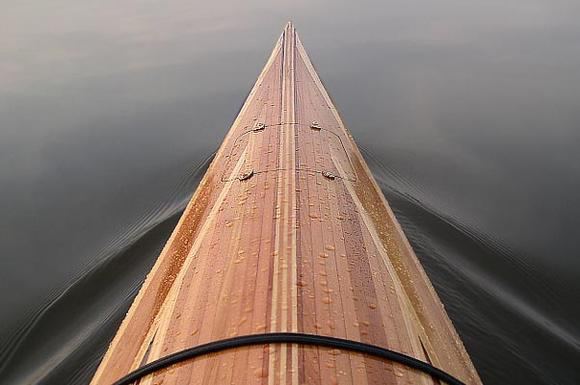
(315, 125)
(328, 175)
(259, 126)
(247, 175)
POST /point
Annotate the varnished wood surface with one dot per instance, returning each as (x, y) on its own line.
(307, 243)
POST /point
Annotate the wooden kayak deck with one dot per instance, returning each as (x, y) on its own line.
(288, 231)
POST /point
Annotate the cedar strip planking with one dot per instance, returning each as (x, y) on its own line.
(288, 249)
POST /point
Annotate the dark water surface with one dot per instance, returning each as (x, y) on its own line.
(468, 113)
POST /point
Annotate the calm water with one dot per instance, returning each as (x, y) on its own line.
(468, 113)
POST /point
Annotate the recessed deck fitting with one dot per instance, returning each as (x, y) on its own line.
(328, 175)
(315, 125)
(259, 126)
(246, 175)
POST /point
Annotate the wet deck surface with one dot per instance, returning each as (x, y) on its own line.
(287, 232)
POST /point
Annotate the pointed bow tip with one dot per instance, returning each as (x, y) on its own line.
(288, 30)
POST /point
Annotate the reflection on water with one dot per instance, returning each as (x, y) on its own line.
(467, 114)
